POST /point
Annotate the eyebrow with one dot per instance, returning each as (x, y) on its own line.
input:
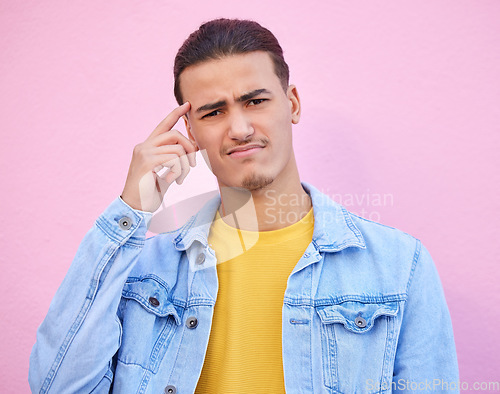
(222, 103)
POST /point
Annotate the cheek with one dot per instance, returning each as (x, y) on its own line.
(200, 136)
(281, 117)
(209, 149)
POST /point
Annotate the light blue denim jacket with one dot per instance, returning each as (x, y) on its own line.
(363, 311)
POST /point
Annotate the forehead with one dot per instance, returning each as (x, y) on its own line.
(228, 77)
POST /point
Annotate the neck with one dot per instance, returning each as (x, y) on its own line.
(278, 205)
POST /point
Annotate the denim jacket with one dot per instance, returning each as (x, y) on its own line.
(363, 311)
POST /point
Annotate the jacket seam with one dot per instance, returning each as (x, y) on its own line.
(176, 355)
(193, 302)
(346, 298)
(156, 278)
(311, 341)
(130, 241)
(386, 356)
(416, 258)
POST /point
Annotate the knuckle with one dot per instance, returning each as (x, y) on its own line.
(138, 149)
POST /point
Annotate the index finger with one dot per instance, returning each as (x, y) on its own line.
(171, 119)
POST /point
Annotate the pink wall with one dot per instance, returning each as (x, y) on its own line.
(398, 99)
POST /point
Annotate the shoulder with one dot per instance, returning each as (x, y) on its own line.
(378, 236)
(336, 227)
(386, 261)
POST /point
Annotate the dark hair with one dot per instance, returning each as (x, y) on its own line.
(224, 37)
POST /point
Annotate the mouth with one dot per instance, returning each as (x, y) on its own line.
(245, 150)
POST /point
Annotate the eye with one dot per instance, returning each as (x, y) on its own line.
(256, 101)
(213, 113)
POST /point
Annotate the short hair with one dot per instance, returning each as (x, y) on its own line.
(223, 37)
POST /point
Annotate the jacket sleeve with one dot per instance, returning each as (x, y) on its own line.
(81, 333)
(425, 357)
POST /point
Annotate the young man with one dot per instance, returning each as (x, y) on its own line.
(242, 299)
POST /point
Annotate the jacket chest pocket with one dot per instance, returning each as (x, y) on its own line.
(149, 320)
(358, 345)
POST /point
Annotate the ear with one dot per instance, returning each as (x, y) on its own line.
(293, 96)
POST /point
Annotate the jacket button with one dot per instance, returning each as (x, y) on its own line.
(360, 322)
(191, 322)
(154, 301)
(200, 259)
(170, 389)
(125, 223)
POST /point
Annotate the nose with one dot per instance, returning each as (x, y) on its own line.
(240, 126)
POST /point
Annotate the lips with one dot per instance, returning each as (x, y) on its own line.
(238, 149)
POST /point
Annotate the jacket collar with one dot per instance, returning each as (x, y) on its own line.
(334, 229)
(198, 226)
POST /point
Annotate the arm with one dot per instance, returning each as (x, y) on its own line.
(81, 332)
(426, 352)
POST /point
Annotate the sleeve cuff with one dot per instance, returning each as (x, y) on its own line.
(122, 222)
(147, 216)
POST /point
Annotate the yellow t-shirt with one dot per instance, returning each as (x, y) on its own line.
(244, 353)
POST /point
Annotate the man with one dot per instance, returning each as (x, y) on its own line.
(241, 299)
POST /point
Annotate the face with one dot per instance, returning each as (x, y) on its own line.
(241, 116)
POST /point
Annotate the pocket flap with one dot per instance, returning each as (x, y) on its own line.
(356, 316)
(152, 295)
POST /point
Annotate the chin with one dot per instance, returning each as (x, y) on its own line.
(256, 182)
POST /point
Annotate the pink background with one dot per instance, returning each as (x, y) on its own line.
(398, 99)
